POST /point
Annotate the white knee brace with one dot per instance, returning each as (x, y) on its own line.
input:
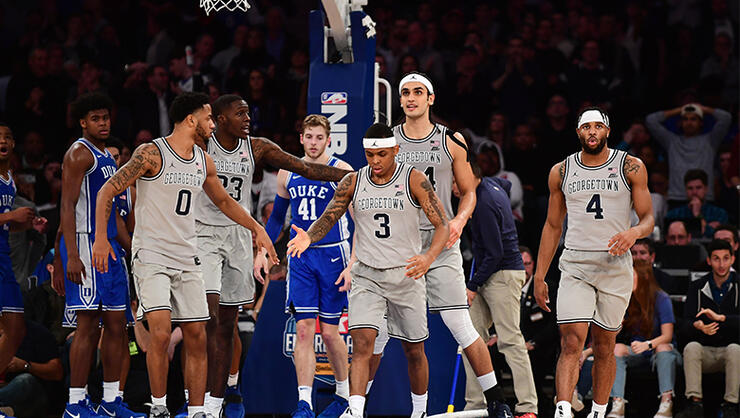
(382, 338)
(459, 323)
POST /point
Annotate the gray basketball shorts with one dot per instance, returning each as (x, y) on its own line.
(179, 291)
(445, 278)
(376, 292)
(226, 259)
(595, 287)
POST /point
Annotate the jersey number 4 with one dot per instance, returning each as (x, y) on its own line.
(594, 206)
(385, 225)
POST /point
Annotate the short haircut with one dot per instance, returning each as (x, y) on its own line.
(150, 70)
(695, 174)
(378, 130)
(525, 249)
(646, 242)
(5, 125)
(724, 227)
(718, 245)
(114, 142)
(88, 102)
(220, 105)
(316, 120)
(186, 104)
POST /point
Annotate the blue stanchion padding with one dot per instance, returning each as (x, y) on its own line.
(269, 383)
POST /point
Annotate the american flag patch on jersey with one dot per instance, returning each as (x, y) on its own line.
(435, 144)
(612, 172)
(244, 156)
(399, 189)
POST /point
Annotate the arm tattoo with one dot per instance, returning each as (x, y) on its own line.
(433, 207)
(561, 170)
(334, 210)
(142, 160)
(278, 158)
(631, 166)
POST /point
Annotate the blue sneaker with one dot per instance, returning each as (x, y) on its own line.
(81, 409)
(183, 411)
(499, 410)
(303, 411)
(233, 403)
(118, 409)
(335, 409)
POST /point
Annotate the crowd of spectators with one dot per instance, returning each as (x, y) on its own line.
(510, 76)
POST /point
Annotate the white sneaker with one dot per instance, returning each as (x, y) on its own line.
(577, 402)
(617, 410)
(665, 409)
(347, 413)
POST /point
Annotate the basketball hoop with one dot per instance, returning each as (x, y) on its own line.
(217, 5)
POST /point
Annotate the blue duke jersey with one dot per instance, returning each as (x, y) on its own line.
(598, 201)
(103, 168)
(124, 204)
(7, 197)
(308, 200)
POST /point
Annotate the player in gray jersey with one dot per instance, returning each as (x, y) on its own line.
(440, 154)
(224, 247)
(596, 188)
(387, 264)
(170, 173)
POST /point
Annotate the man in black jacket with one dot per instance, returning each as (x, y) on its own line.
(713, 329)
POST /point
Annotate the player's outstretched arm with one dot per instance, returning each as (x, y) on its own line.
(145, 161)
(466, 184)
(267, 151)
(550, 233)
(423, 192)
(636, 174)
(231, 208)
(334, 210)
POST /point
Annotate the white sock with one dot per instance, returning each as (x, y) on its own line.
(487, 381)
(213, 405)
(233, 379)
(369, 385)
(159, 401)
(342, 389)
(110, 391)
(598, 409)
(304, 394)
(120, 394)
(192, 410)
(76, 395)
(563, 410)
(187, 395)
(357, 404)
(419, 403)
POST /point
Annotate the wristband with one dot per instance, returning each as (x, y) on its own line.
(650, 345)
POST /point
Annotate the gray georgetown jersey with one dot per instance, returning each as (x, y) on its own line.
(165, 226)
(598, 201)
(430, 156)
(386, 220)
(235, 169)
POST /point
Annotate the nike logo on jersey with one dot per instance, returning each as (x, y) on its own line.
(333, 260)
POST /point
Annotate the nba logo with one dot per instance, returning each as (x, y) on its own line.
(330, 97)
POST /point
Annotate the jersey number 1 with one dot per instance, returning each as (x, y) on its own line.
(594, 206)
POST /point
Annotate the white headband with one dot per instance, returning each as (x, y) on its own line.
(374, 143)
(593, 115)
(416, 77)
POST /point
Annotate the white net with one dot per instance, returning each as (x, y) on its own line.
(217, 5)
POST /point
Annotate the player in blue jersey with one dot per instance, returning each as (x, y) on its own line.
(11, 303)
(312, 288)
(89, 294)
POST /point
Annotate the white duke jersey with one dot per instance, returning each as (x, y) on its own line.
(598, 201)
(386, 219)
(235, 169)
(165, 223)
(430, 156)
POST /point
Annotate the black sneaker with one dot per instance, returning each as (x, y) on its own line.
(693, 409)
(499, 410)
(728, 410)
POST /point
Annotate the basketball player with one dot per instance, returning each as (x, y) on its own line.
(225, 249)
(90, 295)
(597, 188)
(169, 174)
(440, 154)
(311, 279)
(11, 302)
(389, 273)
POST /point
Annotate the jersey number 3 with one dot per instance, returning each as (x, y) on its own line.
(594, 206)
(385, 226)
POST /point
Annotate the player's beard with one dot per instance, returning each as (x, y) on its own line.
(201, 134)
(594, 151)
